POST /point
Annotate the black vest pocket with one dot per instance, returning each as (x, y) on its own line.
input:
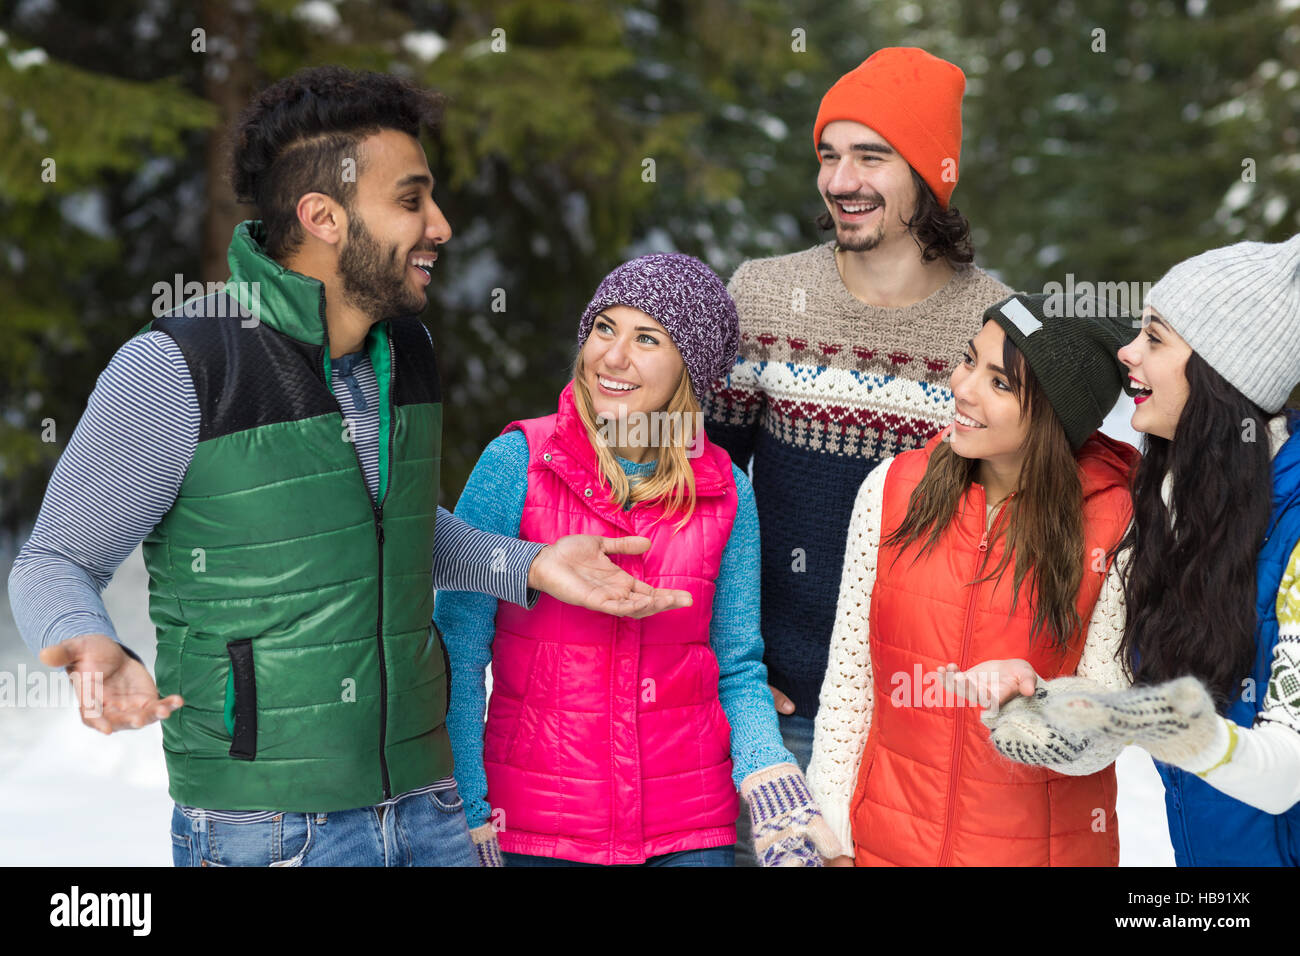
(244, 736)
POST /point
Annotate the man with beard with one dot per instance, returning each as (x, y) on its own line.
(846, 349)
(281, 470)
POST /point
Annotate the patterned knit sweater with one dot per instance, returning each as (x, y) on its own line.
(825, 387)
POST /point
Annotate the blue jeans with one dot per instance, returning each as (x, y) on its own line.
(416, 829)
(797, 735)
(713, 856)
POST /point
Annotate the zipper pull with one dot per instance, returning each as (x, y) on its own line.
(379, 526)
(984, 541)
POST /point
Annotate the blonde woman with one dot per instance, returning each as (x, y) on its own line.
(614, 741)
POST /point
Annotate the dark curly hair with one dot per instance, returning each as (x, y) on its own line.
(941, 233)
(293, 137)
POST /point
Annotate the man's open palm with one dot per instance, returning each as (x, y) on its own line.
(114, 691)
(576, 569)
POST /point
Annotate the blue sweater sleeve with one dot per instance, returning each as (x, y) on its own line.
(493, 500)
(737, 642)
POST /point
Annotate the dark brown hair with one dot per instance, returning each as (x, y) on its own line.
(941, 233)
(1042, 521)
(294, 136)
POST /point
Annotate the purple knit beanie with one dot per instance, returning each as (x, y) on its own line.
(684, 296)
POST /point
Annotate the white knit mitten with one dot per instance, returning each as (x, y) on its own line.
(787, 827)
(1022, 731)
(486, 845)
(1174, 722)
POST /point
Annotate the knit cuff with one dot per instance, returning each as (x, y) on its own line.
(759, 777)
(1215, 751)
(486, 846)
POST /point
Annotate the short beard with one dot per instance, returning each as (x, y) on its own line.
(861, 243)
(369, 283)
(858, 240)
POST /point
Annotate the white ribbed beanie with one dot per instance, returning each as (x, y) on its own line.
(1239, 309)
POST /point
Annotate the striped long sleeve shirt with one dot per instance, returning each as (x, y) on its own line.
(125, 462)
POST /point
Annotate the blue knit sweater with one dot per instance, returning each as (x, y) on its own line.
(494, 500)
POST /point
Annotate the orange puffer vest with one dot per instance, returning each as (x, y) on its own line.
(932, 790)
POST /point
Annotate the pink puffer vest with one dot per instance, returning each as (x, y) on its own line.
(605, 740)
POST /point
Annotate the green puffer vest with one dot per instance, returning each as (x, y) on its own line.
(294, 614)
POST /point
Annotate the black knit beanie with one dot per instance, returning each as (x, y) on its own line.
(1072, 356)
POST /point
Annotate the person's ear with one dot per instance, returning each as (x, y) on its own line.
(322, 217)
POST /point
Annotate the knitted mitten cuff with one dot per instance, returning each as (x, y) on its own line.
(1175, 722)
(788, 829)
(1021, 731)
(486, 845)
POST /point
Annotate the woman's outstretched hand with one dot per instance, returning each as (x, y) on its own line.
(576, 569)
(992, 683)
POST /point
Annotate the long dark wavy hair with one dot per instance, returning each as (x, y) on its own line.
(1190, 587)
(1044, 518)
(941, 233)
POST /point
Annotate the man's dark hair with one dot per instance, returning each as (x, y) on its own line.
(293, 137)
(941, 233)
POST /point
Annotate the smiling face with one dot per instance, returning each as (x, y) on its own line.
(866, 185)
(990, 424)
(394, 229)
(629, 363)
(1157, 363)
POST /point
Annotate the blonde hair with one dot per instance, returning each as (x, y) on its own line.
(672, 483)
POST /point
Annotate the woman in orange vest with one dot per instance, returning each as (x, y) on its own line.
(990, 543)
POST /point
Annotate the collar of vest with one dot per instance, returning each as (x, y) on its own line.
(289, 302)
(571, 434)
(1286, 470)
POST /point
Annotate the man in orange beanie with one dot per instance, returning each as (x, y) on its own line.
(846, 348)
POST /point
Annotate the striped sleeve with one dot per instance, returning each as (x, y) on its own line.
(468, 559)
(114, 482)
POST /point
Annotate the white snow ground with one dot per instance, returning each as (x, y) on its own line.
(72, 797)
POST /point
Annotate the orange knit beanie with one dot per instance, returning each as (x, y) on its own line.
(913, 100)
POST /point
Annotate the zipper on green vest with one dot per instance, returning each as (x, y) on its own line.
(383, 667)
(385, 458)
(377, 509)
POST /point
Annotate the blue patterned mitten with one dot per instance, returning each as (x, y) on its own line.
(788, 829)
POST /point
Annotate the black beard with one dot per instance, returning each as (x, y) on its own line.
(373, 283)
(860, 241)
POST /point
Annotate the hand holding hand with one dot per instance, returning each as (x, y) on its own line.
(1022, 731)
(1174, 721)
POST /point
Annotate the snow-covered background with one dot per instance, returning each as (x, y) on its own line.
(71, 796)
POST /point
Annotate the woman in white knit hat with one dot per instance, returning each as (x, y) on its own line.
(1211, 573)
